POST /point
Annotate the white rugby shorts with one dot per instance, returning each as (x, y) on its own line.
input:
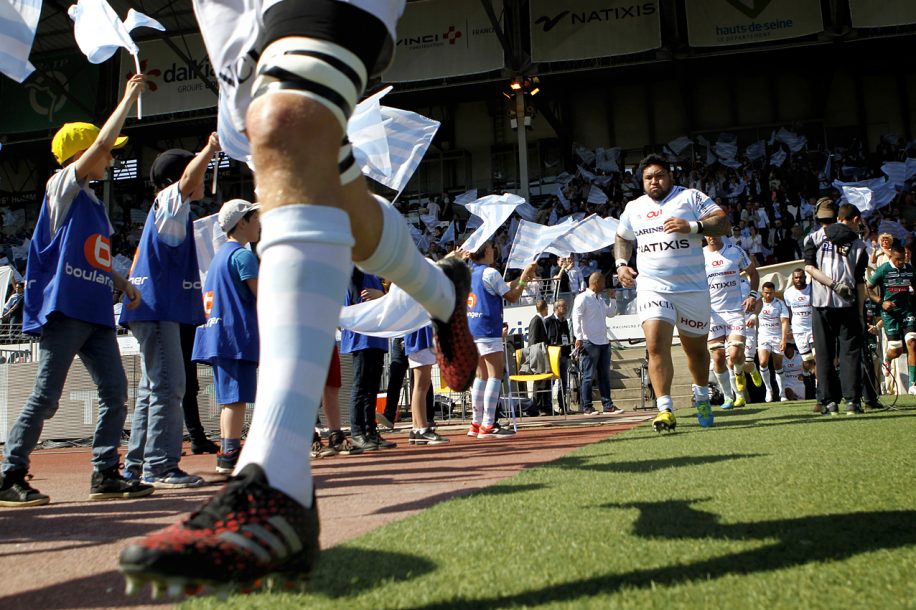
(688, 311)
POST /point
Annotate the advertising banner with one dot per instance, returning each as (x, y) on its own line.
(441, 38)
(582, 29)
(871, 14)
(172, 83)
(713, 23)
(62, 88)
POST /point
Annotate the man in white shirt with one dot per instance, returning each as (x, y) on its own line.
(797, 298)
(772, 335)
(666, 226)
(590, 330)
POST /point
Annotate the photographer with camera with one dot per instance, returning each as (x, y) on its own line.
(835, 257)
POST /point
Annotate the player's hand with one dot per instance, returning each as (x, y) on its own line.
(627, 276)
(782, 345)
(676, 225)
(872, 329)
(888, 305)
(213, 142)
(530, 272)
(748, 304)
(844, 291)
(370, 294)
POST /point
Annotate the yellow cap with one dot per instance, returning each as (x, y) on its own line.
(77, 137)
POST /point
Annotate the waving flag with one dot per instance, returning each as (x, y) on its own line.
(675, 147)
(587, 156)
(393, 315)
(870, 196)
(900, 172)
(18, 22)
(590, 235)
(596, 195)
(466, 197)
(100, 32)
(532, 239)
(409, 136)
(778, 158)
(208, 238)
(449, 234)
(366, 132)
(757, 150)
(493, 210)
(608, 159)
(794, 141)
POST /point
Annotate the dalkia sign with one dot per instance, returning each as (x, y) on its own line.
(173, 84)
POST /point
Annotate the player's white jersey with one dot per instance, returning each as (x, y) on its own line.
(799, 303)
(667, 261)
(723, 273)
(769, 320)
(792, 367)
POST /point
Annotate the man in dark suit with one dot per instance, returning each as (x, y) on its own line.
(537, 333)
(558, 333)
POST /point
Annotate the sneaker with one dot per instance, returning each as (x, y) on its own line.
(589, 410)
(740, 382)
(739, 402)
(339, 442)
(132, 474)
(383, 422)
(830, 409)
(474, 430)
(225, 462)
(756, 378)
(204, 446)
(853, 408)
(15, 491)
(819, 408)
(382, 443)
(426, 437)
(728, 404)
(783, 398)
(912, 390)
(110, 485)
(612, 410)
(248, 531)
(362, 442)
(495, 431)
(173, 479)
(875, 406)
(768, 397)
(320, 450)
(704, 413)
(456, 353)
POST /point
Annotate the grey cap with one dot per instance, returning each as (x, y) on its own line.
(233, 211)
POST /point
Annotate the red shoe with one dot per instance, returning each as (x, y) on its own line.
(247, 532)
(456, 353)
(495, 431)
(474, 430)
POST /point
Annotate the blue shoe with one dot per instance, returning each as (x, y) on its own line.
(132, 474)
(174, 479)
(704, 414)
(728, 404)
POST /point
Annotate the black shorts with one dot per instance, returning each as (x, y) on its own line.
(354, 29)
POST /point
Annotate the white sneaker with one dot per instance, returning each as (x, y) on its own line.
(768, 397)
(783, 399)
(912, 390)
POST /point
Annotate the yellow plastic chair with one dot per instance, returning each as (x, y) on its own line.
(553, 355)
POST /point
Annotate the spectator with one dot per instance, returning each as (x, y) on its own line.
(590, 329)
(537, 334)
(559, 334)
(12, 309)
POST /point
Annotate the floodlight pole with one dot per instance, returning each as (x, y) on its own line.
(522, 142)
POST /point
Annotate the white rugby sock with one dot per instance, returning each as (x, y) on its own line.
(477, 400)
(731, 377)
(490, 400)
(780, 382)
(725, 384)
(664, 403)
(397, 259)
(765, 373)
(701, 392)
(305, 268)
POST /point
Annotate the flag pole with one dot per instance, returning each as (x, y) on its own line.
(139, 97)
(216, 159)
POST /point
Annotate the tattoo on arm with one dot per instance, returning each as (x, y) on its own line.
(623, 248)
(716, 224)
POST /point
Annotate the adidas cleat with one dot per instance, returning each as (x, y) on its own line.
(740, 382)
(664, 422)
(247, 532)
(739, 402)
(704, 414)
(728, 404)
(756, 378)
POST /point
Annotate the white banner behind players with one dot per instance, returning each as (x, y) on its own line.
(440, 38)
(871, 14)
(581, 29)
(713, 23)
(173, 84)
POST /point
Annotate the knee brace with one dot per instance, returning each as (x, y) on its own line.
(346, 163)
(738, 344)
(909, 337)
(715, 346)
(896, 344)
(809, 357)
(319, 70)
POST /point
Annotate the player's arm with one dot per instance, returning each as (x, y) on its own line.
(715, 223)
(753, 277)
(623, 250)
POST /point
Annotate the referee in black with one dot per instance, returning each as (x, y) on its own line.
(835, 257)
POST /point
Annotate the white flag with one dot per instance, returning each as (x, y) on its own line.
(208, 237)
(900, 172)
(586, 174)
(859, 196)
(590, 235)
(366, 132)
(18, 22)
(757, 150)
(409, 136)
(794, 141)
(467, 197)
(587, 156)
(100, 32)
(608, 159)
(894, 228)
(778, 158)
(596, 195)
(493, 210)
(449, 234)
(675, 147)
(393, 315)
(532, 239)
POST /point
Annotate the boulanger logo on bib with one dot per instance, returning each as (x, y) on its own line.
(97, 251)
(472, 300)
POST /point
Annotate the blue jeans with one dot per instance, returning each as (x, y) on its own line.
(367, 377)
(155, 434)
(62, 338)
(596, 360)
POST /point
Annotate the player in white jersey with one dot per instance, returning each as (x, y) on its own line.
(666, 225)
(291, 73)
(750, 345)
(797, 298)
(772, 335)
(792, 373)
(724, 265)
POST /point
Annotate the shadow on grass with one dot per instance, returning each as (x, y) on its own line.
(427, 501)
(642, 466)
(799, 541)
(375, 568)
